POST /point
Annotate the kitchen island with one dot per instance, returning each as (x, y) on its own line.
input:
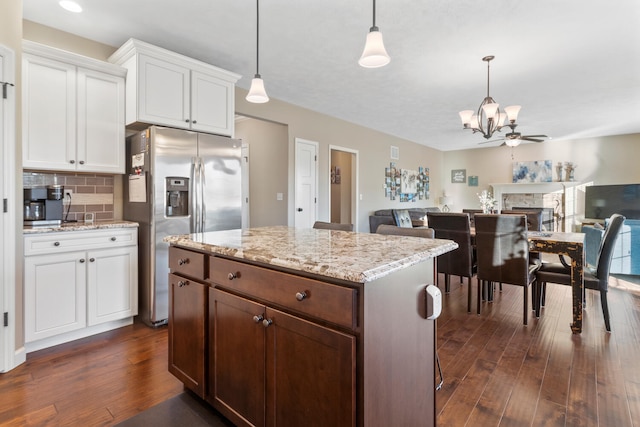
(283, 326)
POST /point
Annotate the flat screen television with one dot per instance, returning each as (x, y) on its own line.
(601, 201)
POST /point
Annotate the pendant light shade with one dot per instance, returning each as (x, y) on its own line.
(257, 94)
(374, 54)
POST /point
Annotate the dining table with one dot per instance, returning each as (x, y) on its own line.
(572, 245)
(569, 244)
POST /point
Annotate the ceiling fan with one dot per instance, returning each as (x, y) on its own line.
(513, 138)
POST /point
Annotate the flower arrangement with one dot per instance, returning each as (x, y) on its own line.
(487, 202)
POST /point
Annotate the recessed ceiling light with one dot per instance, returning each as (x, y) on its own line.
(71, 6)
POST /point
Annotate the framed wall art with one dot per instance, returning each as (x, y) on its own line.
(458, 176)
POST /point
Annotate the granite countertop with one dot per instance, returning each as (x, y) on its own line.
(80, 226)
(355, 257)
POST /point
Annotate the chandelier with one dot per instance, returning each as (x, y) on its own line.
(489, 118)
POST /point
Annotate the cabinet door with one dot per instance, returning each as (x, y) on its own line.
(187, 320)
(212, 104)
(236, 358)
(311, 373)
(100, 142)
(163, 93)
(55, 294)
(112, 284)
(48, 114)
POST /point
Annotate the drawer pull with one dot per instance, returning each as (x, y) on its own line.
(183, 261)
(232, 276)
(113, 239)
(301, 296)
(81, 260)
(92, 259)
(267, 322)
(258, 318)
(56, 243)
(182, 283)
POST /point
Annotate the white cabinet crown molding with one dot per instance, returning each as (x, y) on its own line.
(134, 46)
(50, 52)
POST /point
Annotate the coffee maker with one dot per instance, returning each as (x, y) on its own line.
(43, 206)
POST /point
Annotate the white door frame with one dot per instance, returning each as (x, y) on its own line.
(354, 183)
(295, 178)
(8, 218)
(246, 200)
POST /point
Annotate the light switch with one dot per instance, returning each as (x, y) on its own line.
(279, 196)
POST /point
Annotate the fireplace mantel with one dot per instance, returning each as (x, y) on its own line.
(568, 190)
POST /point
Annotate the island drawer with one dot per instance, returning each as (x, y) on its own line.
(333, 303)
(187, 263)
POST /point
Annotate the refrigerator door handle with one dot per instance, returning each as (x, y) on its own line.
(193, 219)
(201, 184)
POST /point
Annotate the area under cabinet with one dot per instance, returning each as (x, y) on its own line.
(78, 283)
(345, 342)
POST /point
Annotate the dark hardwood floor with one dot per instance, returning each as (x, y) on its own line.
(497, 371)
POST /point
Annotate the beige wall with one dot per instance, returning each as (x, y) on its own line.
(607, 160)
(268, 148)
(373, 155)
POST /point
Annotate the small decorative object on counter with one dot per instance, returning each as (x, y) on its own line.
(570, 168)
(559, 171)
(487, 202)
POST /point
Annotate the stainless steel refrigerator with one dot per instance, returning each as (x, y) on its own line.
(178, 182)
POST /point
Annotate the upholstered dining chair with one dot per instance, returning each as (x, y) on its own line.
(403, 231)
(534, 223)
(460, 262)
(332, 226)
(594, 278)
(471, 213)
(503, 255)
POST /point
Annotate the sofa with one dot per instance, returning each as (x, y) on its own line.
(385, 216)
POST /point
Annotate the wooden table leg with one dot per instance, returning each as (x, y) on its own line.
(577, 284)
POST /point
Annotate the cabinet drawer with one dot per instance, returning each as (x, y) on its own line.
(335, 304)
(187, 263)
(66, 241)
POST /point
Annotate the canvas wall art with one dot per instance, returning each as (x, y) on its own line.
(534, 171)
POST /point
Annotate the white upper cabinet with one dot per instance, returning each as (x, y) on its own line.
(166, 88)
(73, 111)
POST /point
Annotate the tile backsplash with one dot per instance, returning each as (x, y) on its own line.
(91, 193)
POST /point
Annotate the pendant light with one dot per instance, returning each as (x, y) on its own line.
(374, 54)
(257, 94)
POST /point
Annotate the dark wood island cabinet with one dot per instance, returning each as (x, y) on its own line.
(279, 326)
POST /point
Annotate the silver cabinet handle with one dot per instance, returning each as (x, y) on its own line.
(267, 322)
(182, 283)
(81, 260)
(92, 259)
(258, 318)
(183, 261)
(301, 295)
(232, 276)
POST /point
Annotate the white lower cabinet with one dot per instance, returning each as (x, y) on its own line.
(78, 283)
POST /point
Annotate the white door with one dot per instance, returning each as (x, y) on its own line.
(8, 212)
(306, 185)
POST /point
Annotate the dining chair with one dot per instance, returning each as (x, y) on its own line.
(503, 255)
(534, 223)
(471, 213)
(332, 226)
(403, 231)
(459, 262)
(596, 278)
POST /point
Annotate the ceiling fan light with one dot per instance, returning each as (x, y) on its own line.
(512, 142)
(475, 123)
(465, 116)
(257, 94)
(512, 112)
(71, 6)
(374, 54)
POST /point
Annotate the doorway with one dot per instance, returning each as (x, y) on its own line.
(343, 193)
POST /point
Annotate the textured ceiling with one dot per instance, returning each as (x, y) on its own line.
(573, 65)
